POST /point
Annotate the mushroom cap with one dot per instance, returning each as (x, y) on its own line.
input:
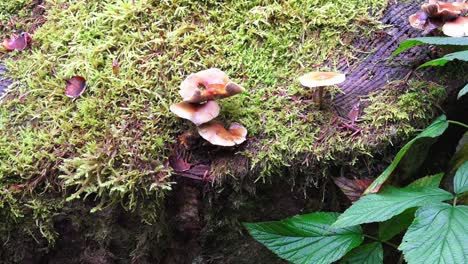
(216, 134)
(214, 82)
(317, 79)
(443, 10)
(456, 28)
(76, 85)
(197, 113)
(418, 20)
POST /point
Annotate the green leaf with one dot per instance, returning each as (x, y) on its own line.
(366, 254)
(434, 130)
(463, 91)
(307, 238)
(439, 234)
(409, 43)
(460, 55)
(460, 182)
(396, 224)
(390, 202)
(428, 181)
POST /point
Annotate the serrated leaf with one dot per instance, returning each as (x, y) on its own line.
(437, 235)
(462, 92)
(441, 41)
(396, 224)
(428, 181)
(390, 202)
(436, 129)
(365, 254)
(460, 182)
(460, 55)
(307, 238)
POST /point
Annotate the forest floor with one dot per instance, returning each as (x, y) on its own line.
(116, 150)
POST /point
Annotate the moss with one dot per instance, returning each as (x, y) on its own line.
(112, 144)
(11, 8)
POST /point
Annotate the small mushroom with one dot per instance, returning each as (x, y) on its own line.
(444, 11)
(456, 28)
(418, 20)
(17, 42)
(76, 85)
(321, 80)
(197, 113)
(208, 85)
(216, 134)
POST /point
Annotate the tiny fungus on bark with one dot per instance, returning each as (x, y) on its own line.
(320, 80)
(208, 85)
(456, 28)
(197, 113)
(216, 134)
(17, 42)
(76, 85)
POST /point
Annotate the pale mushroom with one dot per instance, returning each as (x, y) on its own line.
(456, 28)
(321, 80)
(208, 85)
(197, 113)
(216, 134)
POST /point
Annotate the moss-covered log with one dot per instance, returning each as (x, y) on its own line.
(96, 178)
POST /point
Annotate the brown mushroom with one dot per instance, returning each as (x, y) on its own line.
(197, 113)
(216, 134)
(444, 11)
(76, 85)
(456, 28)
(321, 80)
(208, 85)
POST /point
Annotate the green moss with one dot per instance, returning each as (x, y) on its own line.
(111, 145)
(11, 8)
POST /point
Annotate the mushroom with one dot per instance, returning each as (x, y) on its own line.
(320, 80)
(456, 28)
(76, 85)
(444, 11)
(216, 134)
(434, 14)
(208, 85)
(197, 113)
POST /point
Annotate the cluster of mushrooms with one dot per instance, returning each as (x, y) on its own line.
(198, 91)
(450, 16)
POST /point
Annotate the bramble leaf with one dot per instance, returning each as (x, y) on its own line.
(371, 253)
(390, 202)
(460, 55)
(307, 238)
(441, 41)
(460, 182)
(437, 235)
(434, 130)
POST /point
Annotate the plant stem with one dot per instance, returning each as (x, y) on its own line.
(385, 242)
(455, 201)
(458, 123)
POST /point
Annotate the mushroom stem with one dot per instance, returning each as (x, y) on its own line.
(320, 96)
